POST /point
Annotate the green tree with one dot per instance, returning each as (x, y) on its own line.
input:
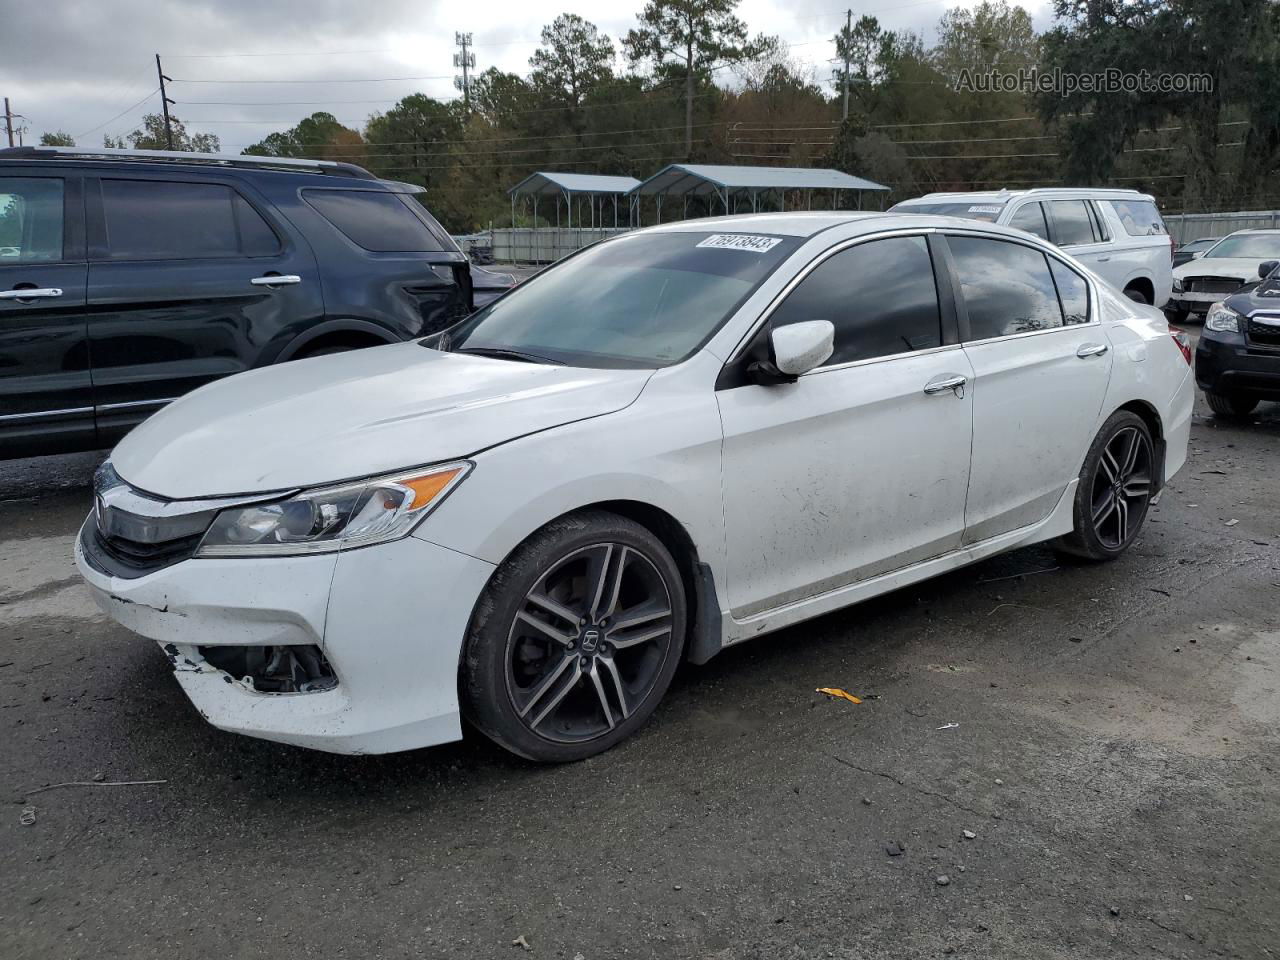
(575, 57)
(415, 140)
(151, 136)
(685, 40)
(320, 136)
(57, 138)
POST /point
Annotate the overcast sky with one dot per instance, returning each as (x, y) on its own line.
(87, 66)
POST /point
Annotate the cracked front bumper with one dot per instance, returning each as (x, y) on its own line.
(390, 619)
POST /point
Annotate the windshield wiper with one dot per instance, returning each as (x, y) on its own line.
(502, 353)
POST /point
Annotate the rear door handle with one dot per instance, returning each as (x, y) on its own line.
(1103, 259)
(942, 384)
(1091, 350)
(34, 293)
(276, 280)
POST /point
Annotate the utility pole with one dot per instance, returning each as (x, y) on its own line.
(8, 120)
(848, 49)
(467, 61)
(164, 103)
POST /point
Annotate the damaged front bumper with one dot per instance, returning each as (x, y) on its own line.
(376, 633)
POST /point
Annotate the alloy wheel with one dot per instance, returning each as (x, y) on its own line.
(588, 642)
(1121, 487)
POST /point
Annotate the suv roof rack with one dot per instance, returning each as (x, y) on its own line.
(289, 164)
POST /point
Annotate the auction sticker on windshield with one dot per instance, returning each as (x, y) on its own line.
(740, 241)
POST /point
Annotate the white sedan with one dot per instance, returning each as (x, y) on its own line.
(670, 442)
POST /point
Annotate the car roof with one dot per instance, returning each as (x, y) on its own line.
(1097, 193)
(1237, 233)
(805, 224)
(180, 158)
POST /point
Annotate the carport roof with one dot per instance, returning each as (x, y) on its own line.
(681, 178)
(546, 184)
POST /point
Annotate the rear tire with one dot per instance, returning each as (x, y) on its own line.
(1116, 484)
(1138, 296)
(575, 639)
(1175, 316)
(1233, 406)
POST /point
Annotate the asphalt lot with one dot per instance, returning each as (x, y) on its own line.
(1115, 760)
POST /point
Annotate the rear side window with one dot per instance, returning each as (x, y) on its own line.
(1071, 222)
(165, 220)
(30, 219)
(1007, 287)
(1140, 218)
(1073, 293)
(1030, 217)
(880, 296)
(378, 222)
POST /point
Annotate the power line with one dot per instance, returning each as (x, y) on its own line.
(326, 80)
(119, 115)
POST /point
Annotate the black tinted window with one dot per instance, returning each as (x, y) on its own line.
(1007, 287)
(880, 296)
(1073, 293)
(161, 220)
(30, 219)
(1071, 222)
(1030, 217)
(380, 222)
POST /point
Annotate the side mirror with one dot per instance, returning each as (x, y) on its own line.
(1266, 267)
(797, 348)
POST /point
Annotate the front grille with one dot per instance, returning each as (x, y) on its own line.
(149, 556)
(1212, 284)
(1263, 334)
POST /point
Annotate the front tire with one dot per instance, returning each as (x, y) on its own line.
(1233, 406)
(575, 639)
(1116, 484)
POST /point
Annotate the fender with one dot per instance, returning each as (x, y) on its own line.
(329, 327)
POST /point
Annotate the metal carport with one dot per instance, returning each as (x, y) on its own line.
(729, 184)
(574, 186)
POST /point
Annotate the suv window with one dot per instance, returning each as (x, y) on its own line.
(1030, 217)
(1140, 218)
(30, 219)
(378, 222)
(880, 296)
(166, 220)
(1007, 287)
(1071, 222)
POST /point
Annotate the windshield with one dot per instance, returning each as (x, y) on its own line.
(984, 210)
(641, 300)
(1247, 246)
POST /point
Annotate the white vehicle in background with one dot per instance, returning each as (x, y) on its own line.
(1118, 234)
(1221, 271)
(669, 442)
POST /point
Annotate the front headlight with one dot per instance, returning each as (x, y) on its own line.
(1177, 285)
(1222, 318)
(332, 518)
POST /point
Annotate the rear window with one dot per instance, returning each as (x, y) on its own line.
(988, 212)
(378, 222)
(1139, 217)
(168, 220)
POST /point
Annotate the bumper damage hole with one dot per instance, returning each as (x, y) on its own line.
(274, 669)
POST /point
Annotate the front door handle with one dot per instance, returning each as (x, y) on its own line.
(33, 293)
(1091, 350)
(1103, 259)
(942, 384)
(276, 280)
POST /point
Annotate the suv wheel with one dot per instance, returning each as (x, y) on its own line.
(1231, 405)
(1115, 488)
(1136, 295)
(575, 639)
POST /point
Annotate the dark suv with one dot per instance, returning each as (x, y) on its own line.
(128, 278)
(1238, 356)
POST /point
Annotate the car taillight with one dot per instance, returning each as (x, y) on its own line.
(1183, 341)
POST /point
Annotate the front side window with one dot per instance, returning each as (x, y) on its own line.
(30, 220)
(1030, 217)
(378, 222)
(1071, 222)
(879, 295)
(1007, 287)
(1140, 218)
(169, 220)
(640, 300)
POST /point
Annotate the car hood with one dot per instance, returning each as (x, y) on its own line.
(356, 414)
(1243, 269)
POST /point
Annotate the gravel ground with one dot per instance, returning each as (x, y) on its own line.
(1106, 735)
